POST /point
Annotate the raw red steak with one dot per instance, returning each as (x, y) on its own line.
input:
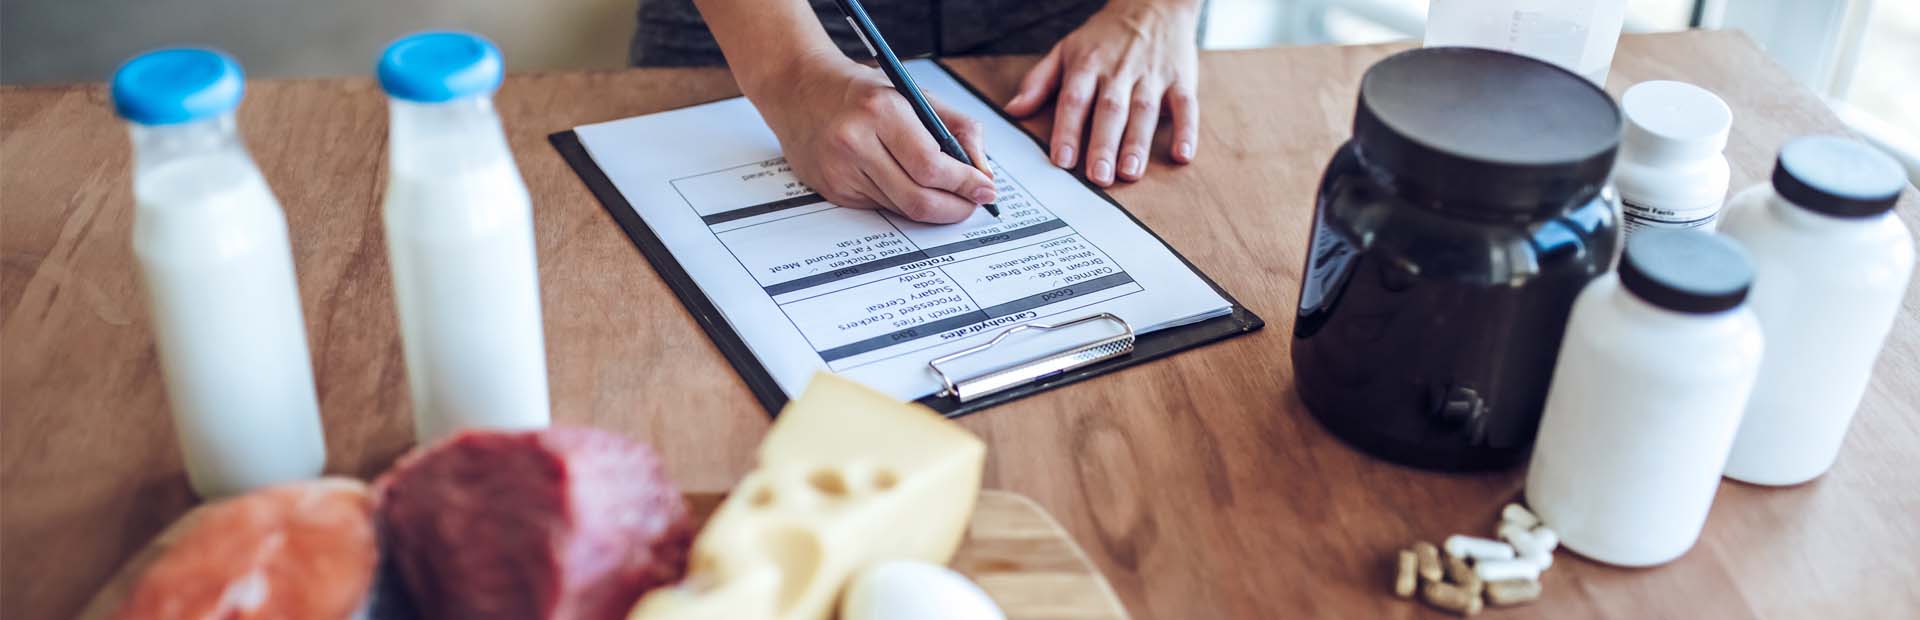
(564, 524)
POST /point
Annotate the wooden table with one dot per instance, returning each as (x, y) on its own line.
(1198, 483)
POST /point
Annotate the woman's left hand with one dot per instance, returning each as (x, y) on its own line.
(1118, 71)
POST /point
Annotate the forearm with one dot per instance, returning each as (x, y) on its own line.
(764, 39)
(1180, 6)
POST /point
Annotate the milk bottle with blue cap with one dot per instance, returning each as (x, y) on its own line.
(214, 256)
(459, 227)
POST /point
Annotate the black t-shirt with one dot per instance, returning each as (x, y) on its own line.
(671, 33)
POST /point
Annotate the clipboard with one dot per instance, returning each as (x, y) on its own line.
(1017, 379)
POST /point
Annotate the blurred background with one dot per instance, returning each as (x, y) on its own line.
(1862, 55)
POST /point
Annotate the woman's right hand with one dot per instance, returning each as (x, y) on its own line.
(856, 141)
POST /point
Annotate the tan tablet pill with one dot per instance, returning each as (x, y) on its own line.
(1462, 575)
(1429, 558)
(1451, 598)
(1403, 581)
(1512, 592)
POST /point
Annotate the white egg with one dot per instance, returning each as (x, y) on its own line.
(906, 590)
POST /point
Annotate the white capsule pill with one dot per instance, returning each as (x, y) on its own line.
(1536, 545)
(1515, 513)
(1543, 560)
(1545, 539)
(1517, 535)
(1477, 548)
(1504, 570)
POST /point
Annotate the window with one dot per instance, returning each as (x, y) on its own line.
(1856, 53)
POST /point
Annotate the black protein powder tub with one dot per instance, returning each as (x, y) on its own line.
(1451, 235)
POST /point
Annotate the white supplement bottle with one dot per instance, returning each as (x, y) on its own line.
(1833, 263)
(459, 227)
(1654, 372)
(217, 265)
(1671, 172)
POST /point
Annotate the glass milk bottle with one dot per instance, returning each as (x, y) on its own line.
(1833, 262)
(459, 227)
(1655, 369)
(1578, 35)
(214, 256)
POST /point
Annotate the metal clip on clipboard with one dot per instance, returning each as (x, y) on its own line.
(1023, 373)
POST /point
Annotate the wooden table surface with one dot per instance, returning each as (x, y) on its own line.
(1198, 483)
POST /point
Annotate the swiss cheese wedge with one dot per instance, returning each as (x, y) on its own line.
(848, 477)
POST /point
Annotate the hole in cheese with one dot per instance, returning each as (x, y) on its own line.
(828, 482)
(762, 497)
(798, 553)
(885, 479)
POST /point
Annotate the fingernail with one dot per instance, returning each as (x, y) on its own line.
(1186, 150)
(982, 195)
(1103, 171)
(1131, 165)
(1063, 156)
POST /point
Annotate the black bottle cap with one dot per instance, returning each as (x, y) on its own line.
(1837, 176)
(1486, 130)
(1686, 270)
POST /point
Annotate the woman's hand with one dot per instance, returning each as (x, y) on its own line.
(856, 141)
(1128, 62)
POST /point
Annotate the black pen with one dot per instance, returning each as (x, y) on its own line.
(890, 64)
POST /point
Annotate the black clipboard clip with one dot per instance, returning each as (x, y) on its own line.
(1033, 370)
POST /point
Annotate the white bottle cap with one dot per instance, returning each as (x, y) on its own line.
(1671, 121)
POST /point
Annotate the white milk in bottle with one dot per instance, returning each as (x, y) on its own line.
(459, 228)
(214, 255)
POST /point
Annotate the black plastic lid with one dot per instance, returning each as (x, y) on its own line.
(1837, 176)
(1485, 130)
(1686, 270)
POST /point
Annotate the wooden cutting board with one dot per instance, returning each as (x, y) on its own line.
(1014, 550)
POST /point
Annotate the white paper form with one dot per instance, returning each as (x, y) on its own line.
(872, 295)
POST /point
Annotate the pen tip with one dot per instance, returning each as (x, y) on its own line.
(992, 209)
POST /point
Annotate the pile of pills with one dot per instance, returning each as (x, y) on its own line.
(1476, 572)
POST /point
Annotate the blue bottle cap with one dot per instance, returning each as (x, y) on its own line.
(178, 85)
(432, 67)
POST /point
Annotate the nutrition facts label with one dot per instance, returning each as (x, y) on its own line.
(864, 285)
(1638, 217)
